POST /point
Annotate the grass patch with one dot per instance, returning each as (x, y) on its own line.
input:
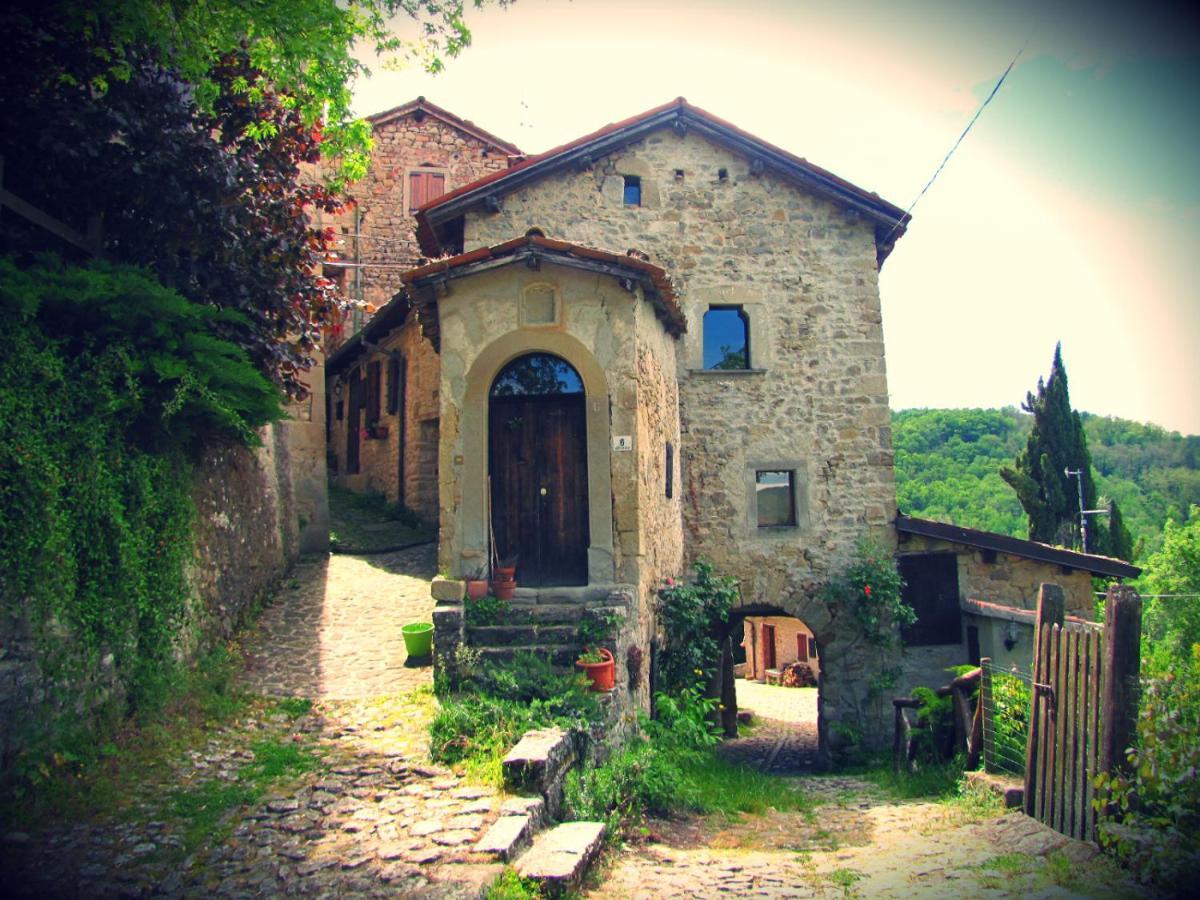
(367, 523)
(726, 787)
(1010, 864)
(294, 707)
(511, 886)
(845, 879)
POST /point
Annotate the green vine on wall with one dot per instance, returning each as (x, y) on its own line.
(869, 589)
(109, 383)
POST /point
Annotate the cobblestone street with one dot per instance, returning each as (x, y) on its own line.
(374, 818)
(783, 740)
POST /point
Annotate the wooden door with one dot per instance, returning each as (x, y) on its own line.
(538, 470)
(768, 642)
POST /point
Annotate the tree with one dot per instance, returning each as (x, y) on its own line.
(1056, 443)
(1171, 623)
(305, 48)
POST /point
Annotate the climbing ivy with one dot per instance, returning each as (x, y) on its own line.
(869, 589)
(108, 382)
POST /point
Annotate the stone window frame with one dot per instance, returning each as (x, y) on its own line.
(422, 170)
(799, 471)
(556, 320)
(754, 307)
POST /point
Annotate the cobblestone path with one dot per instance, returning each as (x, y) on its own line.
(370, 816)
(783, 740)
(855, 844)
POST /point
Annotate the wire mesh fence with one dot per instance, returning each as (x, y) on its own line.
(1005, 696)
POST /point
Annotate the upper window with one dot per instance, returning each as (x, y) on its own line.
(726, 338)
(537, 375)
(633, 190)
(423, 187)
(775, 499)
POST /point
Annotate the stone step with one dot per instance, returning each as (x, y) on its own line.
(618, 595)
(521, 612)
(520, 819)
(524, 635)
(560, 656)
(559, 858)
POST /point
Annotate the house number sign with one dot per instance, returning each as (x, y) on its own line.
(622, 442)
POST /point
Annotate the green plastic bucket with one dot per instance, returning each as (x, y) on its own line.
(418, 638)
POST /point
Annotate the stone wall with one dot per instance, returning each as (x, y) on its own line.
(402, 145)
(379, 459)
(248, 531)
(814, 400)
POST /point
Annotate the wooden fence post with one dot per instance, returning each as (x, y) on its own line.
(729, 709)
(1122, 665)
(1051, 610)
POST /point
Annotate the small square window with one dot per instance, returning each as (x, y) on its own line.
(633, 190)
(775, 499)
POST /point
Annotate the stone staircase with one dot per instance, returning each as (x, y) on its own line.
(546, 622)
(556, 857)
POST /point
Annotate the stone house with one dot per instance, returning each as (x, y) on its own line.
(773, 642)
(382, 404)
(659, 342)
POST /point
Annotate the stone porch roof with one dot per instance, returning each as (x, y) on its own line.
(425, 283)
(890, 221)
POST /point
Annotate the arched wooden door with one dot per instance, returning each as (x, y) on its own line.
(537, 464)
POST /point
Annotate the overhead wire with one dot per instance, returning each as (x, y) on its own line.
(908, 212)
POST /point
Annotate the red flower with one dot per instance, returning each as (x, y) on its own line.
(867, 590)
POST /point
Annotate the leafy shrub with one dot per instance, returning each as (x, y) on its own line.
(1154, 821)
(486, 611)
(869, 589)
(690, 615)
(1010, 720)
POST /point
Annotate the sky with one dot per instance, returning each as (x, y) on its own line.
(1071, 211)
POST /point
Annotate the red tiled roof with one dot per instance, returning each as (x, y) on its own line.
(464, 125)
(677, 111)
(660, 293)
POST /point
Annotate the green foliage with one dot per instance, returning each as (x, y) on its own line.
(1171, 624)
(107, 383)
(596, 628)
(869, 589)
(1153, 818)
(1056, 443)
(511, 886)
(691, 616)
(494, 706)
(305, 47)
(487, 610)
(1009, 722)
(672, 767)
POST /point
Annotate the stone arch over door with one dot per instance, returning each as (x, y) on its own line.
(479, 379)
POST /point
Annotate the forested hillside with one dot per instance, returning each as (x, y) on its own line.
(948, 468)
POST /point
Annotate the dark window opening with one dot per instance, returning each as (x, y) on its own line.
(775, 499)
(726, 338)
(931, 589)
(374, 371)
(812, 647)
(633, 190)
(393, 386)
(670, 470)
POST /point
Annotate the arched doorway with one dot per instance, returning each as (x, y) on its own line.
(537, 468)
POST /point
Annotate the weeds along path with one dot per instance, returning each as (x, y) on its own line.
(314, 781)
(856, 842)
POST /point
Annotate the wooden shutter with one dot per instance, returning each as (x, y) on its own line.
(423, 187)
(801, 648)
(373, 393)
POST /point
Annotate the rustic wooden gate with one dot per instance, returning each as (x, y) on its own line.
(1084, 707)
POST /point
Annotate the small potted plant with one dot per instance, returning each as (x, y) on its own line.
(477, 583)
(597, 662)
(504, 578)
(600, 668)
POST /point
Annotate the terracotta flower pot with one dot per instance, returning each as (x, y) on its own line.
(504, 590)
(505, 573)
(603, 674)
(477, 588)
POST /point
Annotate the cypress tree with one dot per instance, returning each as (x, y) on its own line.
(1038, 475)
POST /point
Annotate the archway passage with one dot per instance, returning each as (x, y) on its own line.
(537, 467)
(778, 680)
